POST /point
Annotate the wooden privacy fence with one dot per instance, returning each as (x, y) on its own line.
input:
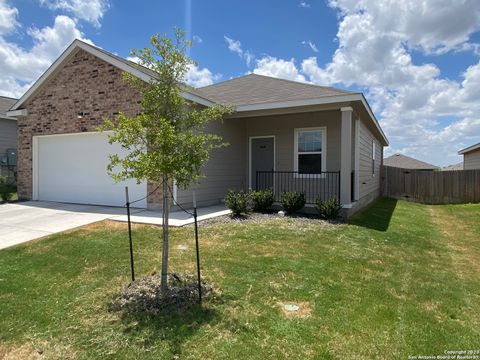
(431, 187)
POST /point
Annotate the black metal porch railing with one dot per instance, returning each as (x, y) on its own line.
(324, 186)
(352, 186)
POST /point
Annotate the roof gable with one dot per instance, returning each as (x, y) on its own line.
(123, 64)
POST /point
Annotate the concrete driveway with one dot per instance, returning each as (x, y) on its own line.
(25, 221)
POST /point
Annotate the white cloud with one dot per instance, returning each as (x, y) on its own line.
(87, 10)
(198, 77)
(134, 59)
(8, 17)
(311, 45)
(285, 69)
(422, 113)
(195, 76)
(236, 47)
(197, 39)
(20, 67)
(303, 4)
(429, 25)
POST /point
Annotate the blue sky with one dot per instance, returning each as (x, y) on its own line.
(417, 65)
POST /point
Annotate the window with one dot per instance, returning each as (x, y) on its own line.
(373, 157)
(310, 150)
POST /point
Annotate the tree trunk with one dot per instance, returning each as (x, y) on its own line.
(165, 211)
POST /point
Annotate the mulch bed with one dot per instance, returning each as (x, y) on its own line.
(259, 218)
(145, 295)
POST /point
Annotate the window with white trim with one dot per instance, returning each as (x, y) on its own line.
(373, 157)
(310, 146)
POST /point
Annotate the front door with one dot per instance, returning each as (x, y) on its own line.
(262, 158)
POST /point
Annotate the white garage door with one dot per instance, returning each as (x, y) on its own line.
(73, 168)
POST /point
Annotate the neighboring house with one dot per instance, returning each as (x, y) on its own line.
(454, 167)
(8, 138)
(407, 162)
(323, 141)
(471, 157)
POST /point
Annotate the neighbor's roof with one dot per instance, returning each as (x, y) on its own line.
(5, 104)
(454, 167)
(406, 162)
(255, 89)
(468, 149)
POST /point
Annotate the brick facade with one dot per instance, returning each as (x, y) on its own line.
(85, 84)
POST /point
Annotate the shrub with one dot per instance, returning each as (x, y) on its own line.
(328, 209)
(262, 200)
(237, 202)
(6, 189)
(293, 201)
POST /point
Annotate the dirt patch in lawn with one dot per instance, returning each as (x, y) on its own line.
(31, 351)
(108, 224)
(465, 258)
(292, 310)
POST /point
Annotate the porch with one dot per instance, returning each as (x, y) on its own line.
(310, 149)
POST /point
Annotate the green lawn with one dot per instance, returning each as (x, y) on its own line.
(401, 279)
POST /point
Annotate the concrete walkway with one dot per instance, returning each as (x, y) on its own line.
(25, 221)
(176, 218)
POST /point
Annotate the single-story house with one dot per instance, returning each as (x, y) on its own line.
(453, 167)
(407, 162)
(471, 157)
(8, 138)
(283, 135)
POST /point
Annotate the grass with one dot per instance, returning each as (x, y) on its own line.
(401, 279)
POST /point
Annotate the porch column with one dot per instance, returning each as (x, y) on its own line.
(346, 157)
(356, 160)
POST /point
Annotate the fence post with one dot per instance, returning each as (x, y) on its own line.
(197, 249)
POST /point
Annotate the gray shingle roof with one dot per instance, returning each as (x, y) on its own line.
(5, 104)
(256, 89)
(406, 162)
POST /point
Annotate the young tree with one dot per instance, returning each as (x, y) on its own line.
(168, 141)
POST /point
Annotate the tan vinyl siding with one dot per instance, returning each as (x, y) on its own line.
(228, 168)
(471, 160)
(369, 183)
(225, 169)
(8, 135)
(282, 127)
(8, 140)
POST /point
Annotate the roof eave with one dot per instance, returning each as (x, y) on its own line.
(316, 101)
(6, 117)
(468, 149)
